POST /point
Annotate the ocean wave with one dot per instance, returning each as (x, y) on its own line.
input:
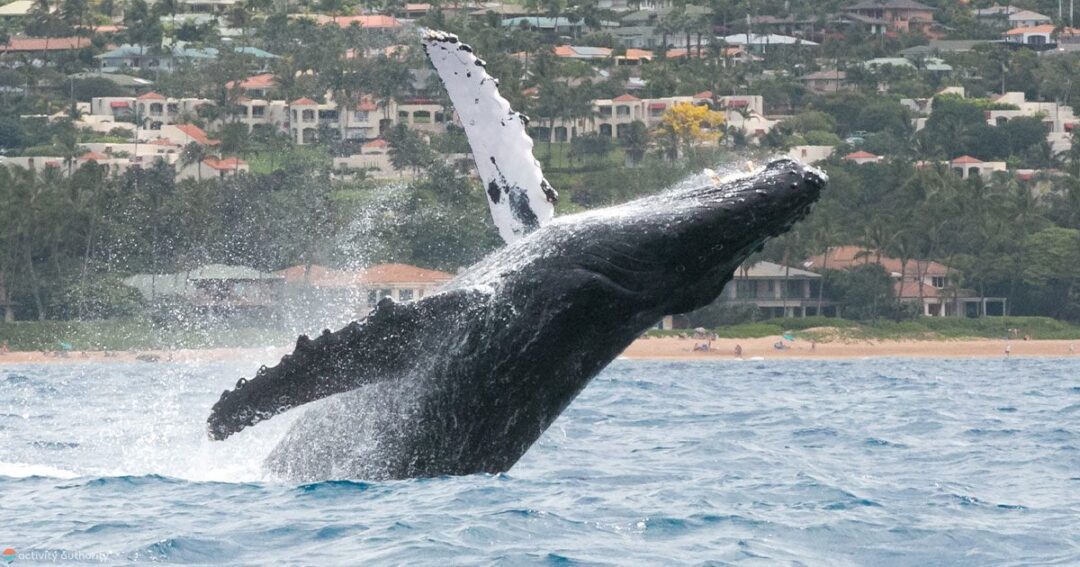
(27, 470)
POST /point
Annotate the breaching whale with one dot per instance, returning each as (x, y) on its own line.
(467, 379)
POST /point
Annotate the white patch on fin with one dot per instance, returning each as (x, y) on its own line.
(521, 200)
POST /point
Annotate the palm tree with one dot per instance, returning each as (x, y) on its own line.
(635, 142)
(193, 154)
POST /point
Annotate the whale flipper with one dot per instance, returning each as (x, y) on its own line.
(383, 346)
(521, 200)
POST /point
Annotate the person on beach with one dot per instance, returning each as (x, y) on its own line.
(4, 349)
(1008, 349)
(738, 351)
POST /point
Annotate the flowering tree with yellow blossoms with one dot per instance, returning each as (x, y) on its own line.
(685, 124)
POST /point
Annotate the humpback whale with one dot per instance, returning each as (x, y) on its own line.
(467, 379)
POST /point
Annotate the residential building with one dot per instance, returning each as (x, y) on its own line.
(359, 291)
(968, 167)
(1059, 119)
(929, 284)
(215, 290)
(826, 81)
(152, 110)
(1028, 19)
(559, 25)
(17, 9)
(611, 117)
(902, 16)
(811, 154)
(778, 291)
(1041, 37)
(368, 22)
(255, 86)
(373, 159)
(401, 282)
(184, 134)
(763, 43)
(168, 58)
(861, 157)
(582, 52)
(38, 49)
(213, 167)
(996, 14)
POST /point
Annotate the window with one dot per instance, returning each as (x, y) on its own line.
(745, 289)
(622, 111)
(794, 288)
(258, 111)
(308, 115)
(405, 294)
(360, 116)
(421, 117)
(155, 109)
(605, 111)
(937, 281)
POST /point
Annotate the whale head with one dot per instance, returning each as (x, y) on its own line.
(674, 252)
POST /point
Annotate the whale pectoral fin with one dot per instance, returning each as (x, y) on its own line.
(380, 347)
(520, 198)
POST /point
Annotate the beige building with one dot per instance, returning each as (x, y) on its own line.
(778, 291)
(968, 167)
(213, 167)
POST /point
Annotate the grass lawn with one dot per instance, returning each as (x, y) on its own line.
(133, 334)
(825, 329)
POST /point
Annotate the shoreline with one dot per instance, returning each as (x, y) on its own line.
(659, 348)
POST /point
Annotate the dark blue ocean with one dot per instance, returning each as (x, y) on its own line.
(872, 462)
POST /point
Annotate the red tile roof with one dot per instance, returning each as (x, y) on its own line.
(861, 154)
(704, 94)
(626, 98)
(367, 104)
(962, 160)
(224, 164)
(375, 22)
(17, 44)
(845, 257)
(304, 101)
(93, 156)
(1045, 28)
(633, 53)
(386, 274)
(255, 82)
(150, 96)
(197, 134)
(376, 143)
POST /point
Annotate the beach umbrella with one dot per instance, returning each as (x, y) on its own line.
(788, 337)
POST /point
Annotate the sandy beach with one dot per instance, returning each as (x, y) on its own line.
(667, 348)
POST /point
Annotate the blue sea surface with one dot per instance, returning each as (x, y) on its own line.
(867, 462)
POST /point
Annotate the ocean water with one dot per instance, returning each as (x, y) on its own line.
(872, 462)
